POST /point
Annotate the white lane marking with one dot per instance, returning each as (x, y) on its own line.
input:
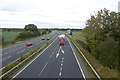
(62, 61)
(60, 74)
(62, 64)
(43, 68)
(13, 46)
(62, 58)
(5, 58)
(57, 55)
(61, 69)
(23, 50)
(18, 52)
(59, 51)
(63, 52)
(32, 60)
(76, 59)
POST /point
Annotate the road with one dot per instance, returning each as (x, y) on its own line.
(54, 62)
(14, 52)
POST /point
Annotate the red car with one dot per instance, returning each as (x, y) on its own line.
(29, 44)
(61, 43)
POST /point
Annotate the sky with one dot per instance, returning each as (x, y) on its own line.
(51, 13)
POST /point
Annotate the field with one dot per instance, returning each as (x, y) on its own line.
(10, 36)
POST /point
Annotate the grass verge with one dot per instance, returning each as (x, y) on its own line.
(104, 72)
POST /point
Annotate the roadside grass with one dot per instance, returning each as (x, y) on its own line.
(10, 36)
(103, 71)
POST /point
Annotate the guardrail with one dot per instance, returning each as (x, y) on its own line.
(97, 75)
(18, 66)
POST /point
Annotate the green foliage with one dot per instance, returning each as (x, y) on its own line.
(9, 36)
(23, 57)
(102, 33)
(33, 28)
(26, 34)
(9, 66)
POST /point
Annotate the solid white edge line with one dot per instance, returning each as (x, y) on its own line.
(43, 69)
(32, 60)
(88, 63)
(77, 60)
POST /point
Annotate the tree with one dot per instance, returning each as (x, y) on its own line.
(102, 33)
(26, 34)
(33, 28)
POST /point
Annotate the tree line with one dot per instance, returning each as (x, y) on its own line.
(102, 33)
(31, 30)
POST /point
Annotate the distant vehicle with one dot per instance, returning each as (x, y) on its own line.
(43, 38)
(61, 39)
(61, 43)
(69, 32)
(48, 38)
(29, 44)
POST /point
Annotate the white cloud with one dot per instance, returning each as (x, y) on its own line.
(51, 13)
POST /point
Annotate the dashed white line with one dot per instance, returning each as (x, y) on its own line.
(60, 74)
(61, 69)
(57, 55)
(5, 58)
(62, 61)
(62, 64)
(18, 52)
(63, 58)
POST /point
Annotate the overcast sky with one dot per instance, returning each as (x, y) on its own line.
(51, 13)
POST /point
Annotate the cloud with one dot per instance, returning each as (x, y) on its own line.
(49, 13)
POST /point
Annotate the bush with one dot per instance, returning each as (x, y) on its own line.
(26, 34)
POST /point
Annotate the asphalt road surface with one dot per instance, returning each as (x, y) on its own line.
(54, 62)
(12, 53)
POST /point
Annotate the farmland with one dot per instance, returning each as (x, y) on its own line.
(10, 36)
